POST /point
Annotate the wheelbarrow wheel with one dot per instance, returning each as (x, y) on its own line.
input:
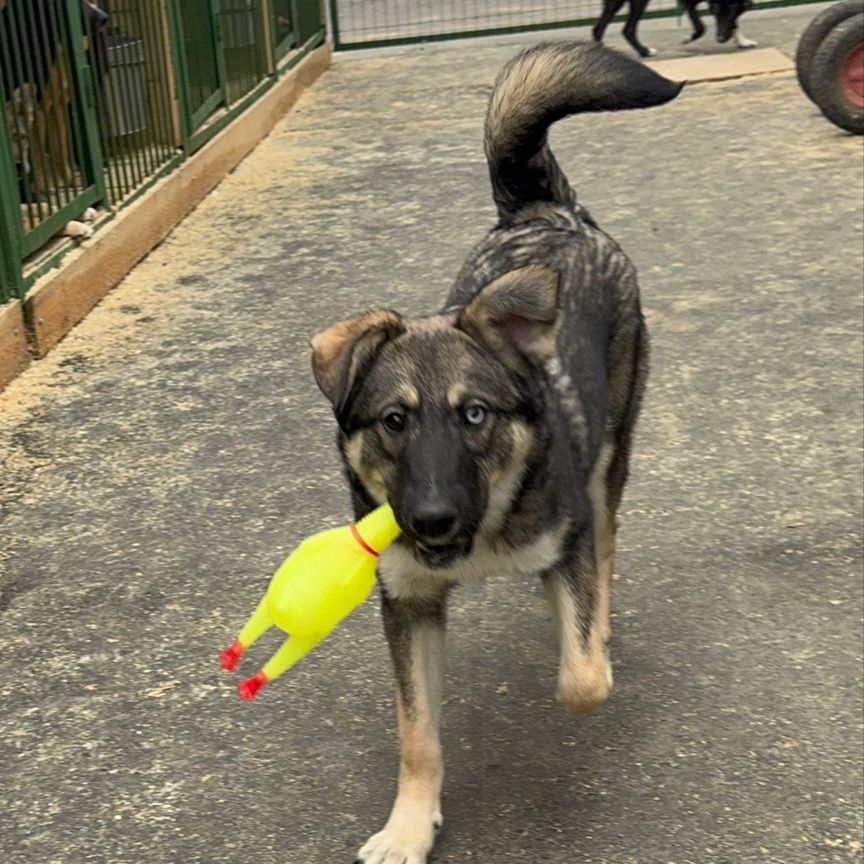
(837, 75)
(815, 32)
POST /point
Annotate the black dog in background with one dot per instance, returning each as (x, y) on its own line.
(726, 13)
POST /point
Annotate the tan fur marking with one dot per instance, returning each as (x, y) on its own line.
(370, 476)
(429, 324)
(410, 831)
(584, 673)
(456, 394)
(604, 539)
(408, 395)
(504, 482)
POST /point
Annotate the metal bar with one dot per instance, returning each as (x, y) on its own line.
(334, 24)
(11, 233)
(23, 26)
(84, 102)
(219, 46)
(53, 224)
(47, 33)
(175, 26)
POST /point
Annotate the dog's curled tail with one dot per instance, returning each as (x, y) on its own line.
(542, 85)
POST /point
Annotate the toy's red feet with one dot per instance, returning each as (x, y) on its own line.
(250, 687)
(230, 657)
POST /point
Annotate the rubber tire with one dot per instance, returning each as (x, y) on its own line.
(823, 75)
(815, 32)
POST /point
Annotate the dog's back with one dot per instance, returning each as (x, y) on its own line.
(541, 222)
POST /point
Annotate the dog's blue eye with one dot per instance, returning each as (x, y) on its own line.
(394, 421)
(475, 415)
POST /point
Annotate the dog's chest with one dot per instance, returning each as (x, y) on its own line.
(406, 578)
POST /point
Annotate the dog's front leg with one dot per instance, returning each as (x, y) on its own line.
(415, 633)
(578, 593)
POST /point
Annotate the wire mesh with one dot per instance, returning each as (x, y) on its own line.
(242, 25)
(284, 30)
(133, 88)
(359, 22)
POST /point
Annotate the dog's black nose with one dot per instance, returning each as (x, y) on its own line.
(433, 521)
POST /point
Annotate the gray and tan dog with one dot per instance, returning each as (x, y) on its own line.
(499, 429)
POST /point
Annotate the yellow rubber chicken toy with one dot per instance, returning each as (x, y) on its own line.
(319, 584)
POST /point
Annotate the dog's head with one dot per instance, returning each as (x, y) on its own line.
(438, 415)
(726, 14)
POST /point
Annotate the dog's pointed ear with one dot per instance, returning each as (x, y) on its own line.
(518, 310)
(340, 351)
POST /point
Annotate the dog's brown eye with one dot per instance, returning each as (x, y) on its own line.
(394, 421)
(474, 415)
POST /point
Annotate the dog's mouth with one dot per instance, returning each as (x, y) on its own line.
(442, 556)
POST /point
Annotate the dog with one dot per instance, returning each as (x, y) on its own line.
(499, 428)
(726, 13)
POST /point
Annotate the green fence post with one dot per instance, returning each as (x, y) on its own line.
(11, 229)
(219, 48)
(334, 23)
(308, 19)
(85, 101)
(181, 74)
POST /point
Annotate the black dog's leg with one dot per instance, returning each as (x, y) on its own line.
(610, 10)
(415, 634)
(695, 20)
(637, 8)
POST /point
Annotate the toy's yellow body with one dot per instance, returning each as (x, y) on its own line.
(318, 585)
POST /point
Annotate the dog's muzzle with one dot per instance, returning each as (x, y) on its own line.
(442, 556)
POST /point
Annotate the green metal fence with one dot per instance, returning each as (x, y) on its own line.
(377, 23)
(101, 97)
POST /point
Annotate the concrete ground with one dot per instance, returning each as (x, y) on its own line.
(158, 465)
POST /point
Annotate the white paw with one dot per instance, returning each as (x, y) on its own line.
(652, 52)
(77, 230)
(742, 41)
(403, 841)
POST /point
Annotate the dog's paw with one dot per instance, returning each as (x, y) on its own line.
(402, 841)
(77, 230)
(650, 52)
(744, 42)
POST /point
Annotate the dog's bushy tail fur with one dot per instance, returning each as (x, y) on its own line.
(542, 85)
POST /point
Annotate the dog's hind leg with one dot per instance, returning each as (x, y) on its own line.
(610, 10)
(695, 20)
(415, 633)
(605, 529)
(637, 9)
(578, 594)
